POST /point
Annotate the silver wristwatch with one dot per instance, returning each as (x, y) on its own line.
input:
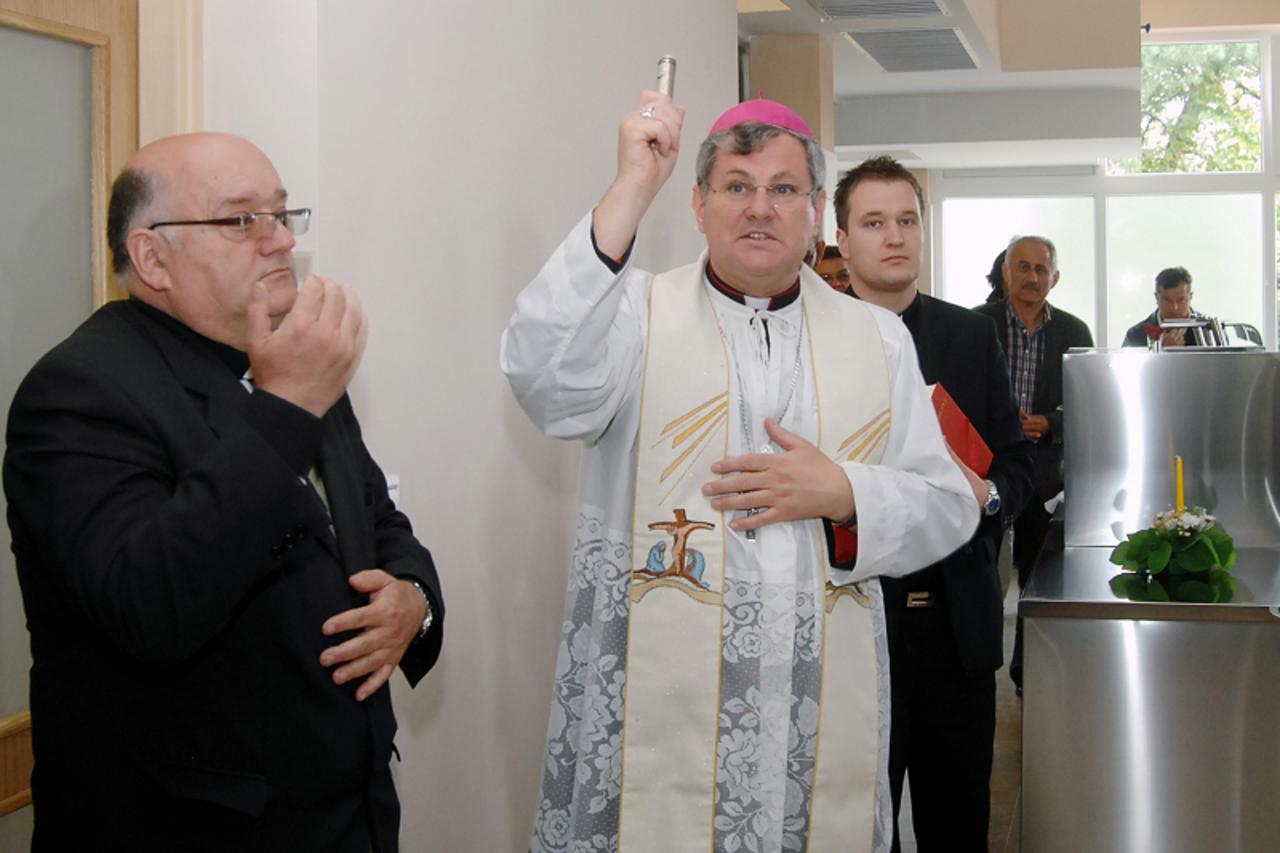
(430, 617)
(992, 506)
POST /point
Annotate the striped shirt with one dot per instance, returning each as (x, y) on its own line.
(1026, 354)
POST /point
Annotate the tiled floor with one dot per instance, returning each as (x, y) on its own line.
(1005, 835)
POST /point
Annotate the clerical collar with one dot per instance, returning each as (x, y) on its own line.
(779, 300)
(910, 315)
(233, 358)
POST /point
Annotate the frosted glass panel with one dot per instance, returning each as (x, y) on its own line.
(46, 285)
(1216, 237)
(975, 230)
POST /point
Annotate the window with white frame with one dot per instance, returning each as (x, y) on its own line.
(1200, 232)
(1203, 194)
(978, 229)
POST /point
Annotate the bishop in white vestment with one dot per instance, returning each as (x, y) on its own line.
(722, 678)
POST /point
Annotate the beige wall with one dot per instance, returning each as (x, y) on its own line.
(1049, 35)
(1175, 14)
(447, 149)
(795, 68)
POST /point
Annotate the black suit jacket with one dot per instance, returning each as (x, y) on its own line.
(958, 349)
(1062, 332)
(176, 570)
(1136, 335)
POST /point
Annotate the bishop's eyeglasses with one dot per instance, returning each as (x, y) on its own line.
(780, 195)
(255, 226)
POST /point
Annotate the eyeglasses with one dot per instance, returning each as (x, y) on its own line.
(841, 277)
(256, 226)
(779, 195)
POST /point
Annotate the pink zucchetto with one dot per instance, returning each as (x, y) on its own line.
(762, 111)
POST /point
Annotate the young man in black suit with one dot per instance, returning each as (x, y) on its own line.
(945, 622)
(216, 582)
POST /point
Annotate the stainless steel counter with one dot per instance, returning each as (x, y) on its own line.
(1150, 726)
(1074, 584)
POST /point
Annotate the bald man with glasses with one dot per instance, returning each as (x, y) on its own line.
(216, 582)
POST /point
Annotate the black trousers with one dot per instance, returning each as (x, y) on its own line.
(942, 730)
(1029, 534)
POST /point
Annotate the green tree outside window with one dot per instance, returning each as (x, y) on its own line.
(1201, 109)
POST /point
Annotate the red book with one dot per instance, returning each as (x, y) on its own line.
(962, 438)
(959, 432)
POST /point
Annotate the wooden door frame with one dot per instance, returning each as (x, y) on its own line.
(113, 140)
(16, 762)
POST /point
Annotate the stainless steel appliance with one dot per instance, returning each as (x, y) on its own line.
(1156, 727)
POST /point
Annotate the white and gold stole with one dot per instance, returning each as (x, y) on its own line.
(674, 655)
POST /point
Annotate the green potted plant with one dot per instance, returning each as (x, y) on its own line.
(1185, 556)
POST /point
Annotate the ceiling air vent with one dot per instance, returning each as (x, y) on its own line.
(853, 9)
(915, 50)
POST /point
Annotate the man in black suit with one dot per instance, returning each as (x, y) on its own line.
(1035, 336)
(216, 582)
(945, 623)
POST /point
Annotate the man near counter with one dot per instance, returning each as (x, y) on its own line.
(1035, 336)
(1173, 302)
(946, 622)
(735, 413)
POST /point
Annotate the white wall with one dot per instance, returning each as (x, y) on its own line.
(447, 147)
(1064, 114)
(259, 79)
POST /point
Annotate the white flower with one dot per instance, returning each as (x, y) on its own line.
(1190, 521)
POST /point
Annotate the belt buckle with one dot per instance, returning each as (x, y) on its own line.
(919, 599)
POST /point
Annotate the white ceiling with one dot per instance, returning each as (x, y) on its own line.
(857, 76)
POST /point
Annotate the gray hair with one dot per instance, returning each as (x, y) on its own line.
(1043, 241)
(748, 138)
